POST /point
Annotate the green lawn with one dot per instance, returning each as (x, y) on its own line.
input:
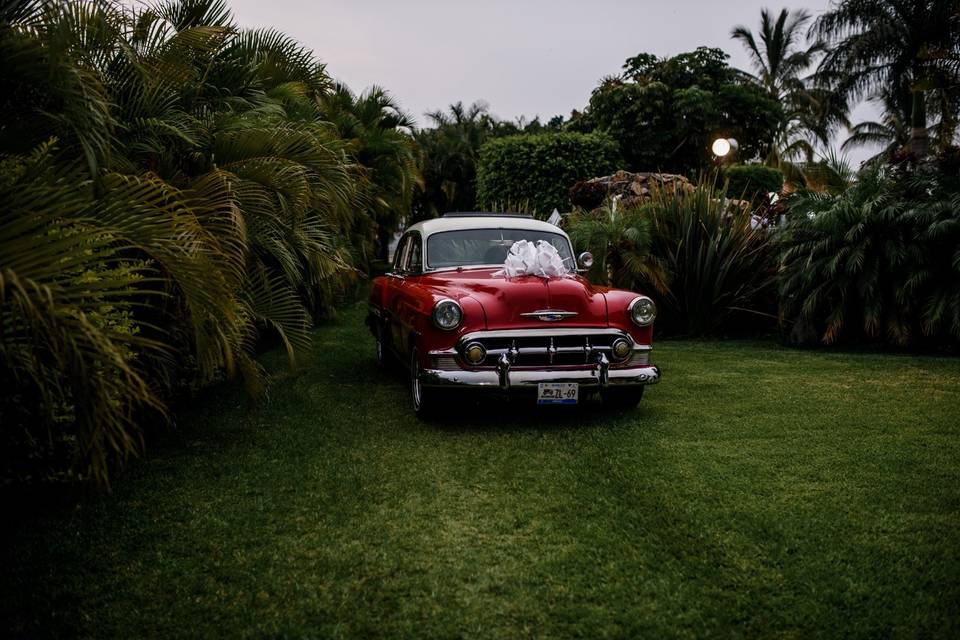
(756, 491)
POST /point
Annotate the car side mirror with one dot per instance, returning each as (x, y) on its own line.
(585, 260)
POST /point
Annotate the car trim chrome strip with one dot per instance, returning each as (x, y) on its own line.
(549, 315)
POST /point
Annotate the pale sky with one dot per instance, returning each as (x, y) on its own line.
(534, 57)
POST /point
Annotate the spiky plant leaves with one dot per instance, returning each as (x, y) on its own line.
(65, 290)
(186, 14)
(215, 190)
(876, 262)
(717, 257)
(621, 239)
(705, 259)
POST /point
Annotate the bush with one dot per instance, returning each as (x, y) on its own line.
(705, 263)
(620, 239)
(749, 180)
(879, 262)
(540, 169)
(155, 232)
(719, 264)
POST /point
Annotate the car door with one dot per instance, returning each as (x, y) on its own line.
(395, 282)
(408, 292)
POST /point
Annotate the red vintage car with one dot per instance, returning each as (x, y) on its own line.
(451, 313)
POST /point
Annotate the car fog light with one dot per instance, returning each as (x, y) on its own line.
(475, 353)
(621, 348)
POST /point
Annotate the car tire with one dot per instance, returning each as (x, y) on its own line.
(424, 398)
(623, 398)
(380, 354)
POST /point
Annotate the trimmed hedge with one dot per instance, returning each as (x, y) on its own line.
(535, 172)
(749, 180)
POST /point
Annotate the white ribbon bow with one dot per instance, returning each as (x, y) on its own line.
(540, 260)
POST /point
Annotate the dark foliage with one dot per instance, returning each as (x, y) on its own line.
(708, 266)
(750, 180)
(877, 263)
(535, 172)
(664, 112)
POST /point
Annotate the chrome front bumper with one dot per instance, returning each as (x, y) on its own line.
(595, 372)
(505, 379)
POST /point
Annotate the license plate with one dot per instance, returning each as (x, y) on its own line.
(558, 393)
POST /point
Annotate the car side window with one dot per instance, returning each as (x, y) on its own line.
(401, 254)
(414, 262)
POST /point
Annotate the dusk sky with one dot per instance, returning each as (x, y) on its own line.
(539, 57)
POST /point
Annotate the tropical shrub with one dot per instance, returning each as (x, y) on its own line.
(705, 262)
(540, 169)
(448, 152)
(172, 191)
(620, 240)
(447, 155)
(879, 262)
(719, 263)
(375, 130)
(748, 180)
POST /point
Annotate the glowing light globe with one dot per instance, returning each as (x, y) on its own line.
(721, 147)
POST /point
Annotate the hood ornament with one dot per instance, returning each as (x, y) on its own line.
(549, 315)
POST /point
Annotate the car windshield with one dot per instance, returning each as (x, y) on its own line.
(475, 247)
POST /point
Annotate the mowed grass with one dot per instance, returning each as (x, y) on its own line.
(756, 491)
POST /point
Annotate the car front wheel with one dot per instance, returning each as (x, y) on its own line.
(424, 398)
(381, 357)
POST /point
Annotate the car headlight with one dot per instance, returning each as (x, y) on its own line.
(642, 311)
(447, 314)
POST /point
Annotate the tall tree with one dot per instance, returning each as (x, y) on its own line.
(891, 47)
(377, 132)
(448, 155)
(891, 133)
(781, 57)
(664, 112)
(170, 190)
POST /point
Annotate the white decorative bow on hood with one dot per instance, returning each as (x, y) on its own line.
(540, 260)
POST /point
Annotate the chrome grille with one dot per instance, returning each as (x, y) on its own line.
(557, 348)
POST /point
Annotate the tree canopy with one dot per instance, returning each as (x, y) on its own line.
(664, 112)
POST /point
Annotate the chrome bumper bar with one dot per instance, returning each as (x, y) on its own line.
(599, 376)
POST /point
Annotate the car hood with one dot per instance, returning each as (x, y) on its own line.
(505, 300)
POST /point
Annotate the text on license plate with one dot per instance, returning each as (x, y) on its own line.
(557, 392)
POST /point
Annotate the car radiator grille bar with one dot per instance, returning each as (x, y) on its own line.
(566, 348)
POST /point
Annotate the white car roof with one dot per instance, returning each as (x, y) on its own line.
(485, 221)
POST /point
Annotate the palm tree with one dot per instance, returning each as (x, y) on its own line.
(448, 155)
(171, 191)
(377, 131)
(621, 238)
(887, 47)
(780, 59)
(879, 261)
(891, 133)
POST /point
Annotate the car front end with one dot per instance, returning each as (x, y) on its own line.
(462, 320)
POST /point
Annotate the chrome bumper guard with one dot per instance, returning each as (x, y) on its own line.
(599, 376)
